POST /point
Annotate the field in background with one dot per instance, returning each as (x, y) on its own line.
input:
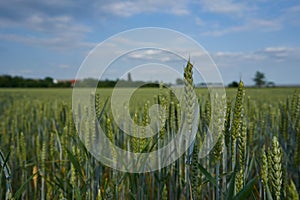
(269, 94)
(46, 159)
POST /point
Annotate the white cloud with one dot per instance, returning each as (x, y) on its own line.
(43, 23)
(281, 54)
(122, 8)
(279, 51)
(232, 59)
(59, 32)
(268, 54)
(242, 17)
(293, 9)
(63, 26)
(265, 25)
(56, 43)
(130, 8)
(291, 15)
(224, 7)
(153, 55)
(248, 25)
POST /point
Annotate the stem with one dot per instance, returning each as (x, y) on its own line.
(217, 180)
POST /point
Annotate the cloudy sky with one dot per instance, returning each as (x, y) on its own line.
(52, 38)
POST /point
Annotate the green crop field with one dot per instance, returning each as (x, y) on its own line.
(256, 157)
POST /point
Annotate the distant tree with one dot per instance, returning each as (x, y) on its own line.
(129, 77)
(179, 81)
(5, 81)
(270, 84)
(234, 84)
(202, 85)
(48, 82)
(259, 79)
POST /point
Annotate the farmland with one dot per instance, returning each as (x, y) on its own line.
(257, 155)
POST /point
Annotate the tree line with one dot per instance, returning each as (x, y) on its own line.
(7, 81)
(20, 82)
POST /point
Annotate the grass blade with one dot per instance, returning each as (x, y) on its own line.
(246, 191)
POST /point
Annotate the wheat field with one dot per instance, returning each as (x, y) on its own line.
(257, 155)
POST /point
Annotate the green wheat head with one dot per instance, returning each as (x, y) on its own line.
(276, 168)
(189, 97)
(237, 121)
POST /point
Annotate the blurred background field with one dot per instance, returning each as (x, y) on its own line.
(260, 94)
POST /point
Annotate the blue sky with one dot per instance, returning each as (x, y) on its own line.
(52, 38)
